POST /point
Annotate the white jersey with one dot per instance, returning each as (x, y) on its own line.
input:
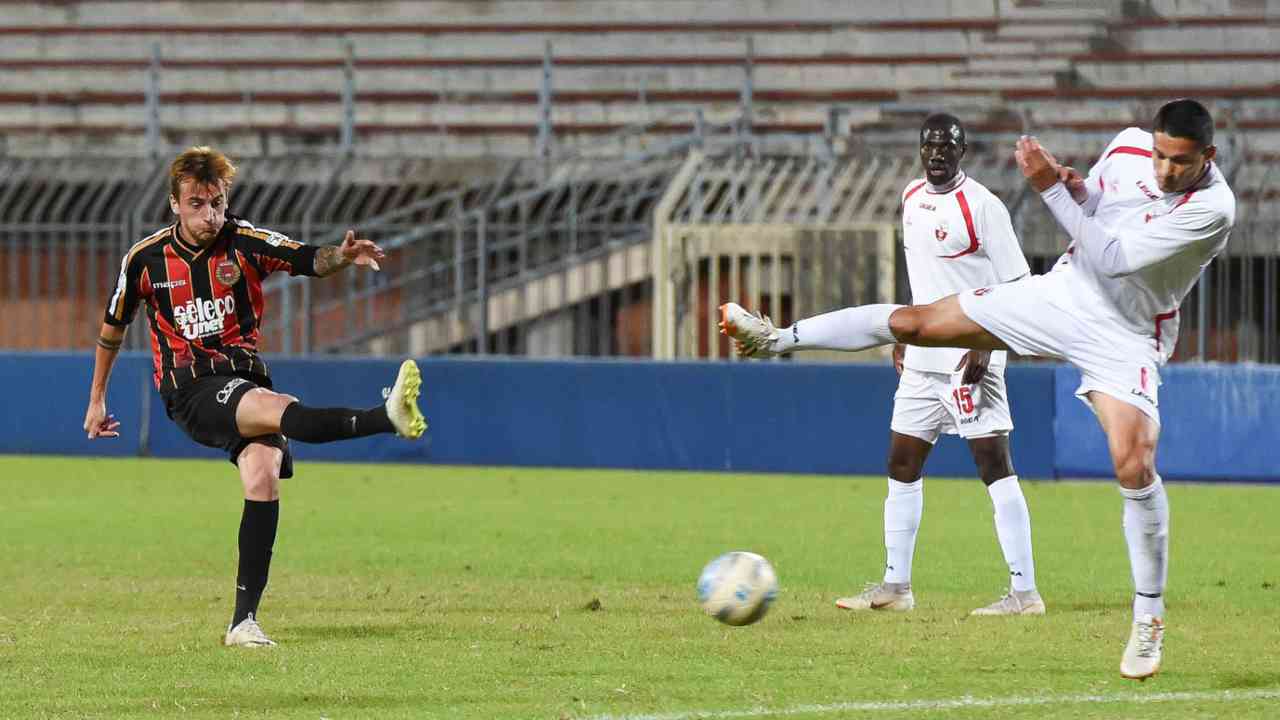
(954, 241)
(1136, 251)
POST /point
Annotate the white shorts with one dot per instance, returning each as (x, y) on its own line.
(928, 404)
(1036, 316)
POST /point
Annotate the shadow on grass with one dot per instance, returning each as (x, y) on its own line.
(1101, 605)
(421, 631)
(1243, 680)
(242, 701)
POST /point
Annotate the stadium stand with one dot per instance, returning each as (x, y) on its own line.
(451, 78)
(449, 82)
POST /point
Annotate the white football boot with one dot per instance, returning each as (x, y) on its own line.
(880, 596)
(402, 402)
(247, 634)
(753, 334)
(1014, 602)
(1142, 656)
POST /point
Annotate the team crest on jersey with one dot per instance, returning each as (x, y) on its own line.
(227, 273)
(941, 231)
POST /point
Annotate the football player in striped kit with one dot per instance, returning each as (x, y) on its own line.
(201, 282)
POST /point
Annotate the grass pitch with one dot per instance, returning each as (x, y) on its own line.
(432, 592)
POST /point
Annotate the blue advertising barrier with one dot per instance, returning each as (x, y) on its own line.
(1219, 422)
(769, 417)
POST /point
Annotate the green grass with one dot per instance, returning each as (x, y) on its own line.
(432, 592)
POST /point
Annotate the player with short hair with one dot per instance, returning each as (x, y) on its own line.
(956, 235)
(201, 280)
(1152, 214)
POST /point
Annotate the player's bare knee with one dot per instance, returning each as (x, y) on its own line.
(1135, 468)
(904, 466)
(904, 471)
(260, 471)
(906, 324)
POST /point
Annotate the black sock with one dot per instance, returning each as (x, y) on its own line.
(257, 537)
(321, 425)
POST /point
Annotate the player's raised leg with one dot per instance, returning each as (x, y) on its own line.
(940, 324)
(259, 465)
(1132, 437)
(1013, 527)
(263, 412)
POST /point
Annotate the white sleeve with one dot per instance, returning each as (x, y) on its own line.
(1002, 247)
(1094, 183)
(1116, 253)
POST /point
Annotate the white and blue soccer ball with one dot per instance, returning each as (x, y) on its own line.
(737, 588)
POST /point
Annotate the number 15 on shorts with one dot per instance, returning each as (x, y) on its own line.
(964, 399)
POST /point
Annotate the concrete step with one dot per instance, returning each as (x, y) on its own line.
(1060, 31)
(1019, 63)
(1057, 9)
(1032, 46)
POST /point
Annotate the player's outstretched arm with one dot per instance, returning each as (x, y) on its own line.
(97, 423)
(352, 251)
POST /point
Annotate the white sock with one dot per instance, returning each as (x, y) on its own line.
(853, 328)
(1013, 529)
(1146, 530)
(902, 510)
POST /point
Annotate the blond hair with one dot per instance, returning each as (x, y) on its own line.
(204, 165)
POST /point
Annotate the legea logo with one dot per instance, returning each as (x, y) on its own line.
(198, 317)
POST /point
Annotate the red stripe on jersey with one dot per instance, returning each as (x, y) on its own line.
(254, 285)
(176, 269)
(1161, 318)
(254, 281)
(1129, 150)
(968, 223)
(1183, 200)
(913, 190)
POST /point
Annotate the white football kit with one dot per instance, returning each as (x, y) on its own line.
(1110, 304)
(955, 238)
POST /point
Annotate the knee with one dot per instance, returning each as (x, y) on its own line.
(992, 464)
(1135, 467)
(904, 469)
(906, 324)
(260, 471)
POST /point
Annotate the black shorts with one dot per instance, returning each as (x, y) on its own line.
(206, 412)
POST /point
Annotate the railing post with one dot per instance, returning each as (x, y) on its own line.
(482, 288)
(1202, 314)
(748, 91)
(830, 129)
(153, 103)
(543, 146)
(348, 100)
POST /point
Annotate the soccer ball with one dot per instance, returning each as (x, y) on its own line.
(737, 588)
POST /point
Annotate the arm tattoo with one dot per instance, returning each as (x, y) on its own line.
(329, 260)
(109, 344)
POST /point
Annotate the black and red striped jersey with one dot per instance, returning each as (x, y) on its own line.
(204, 304)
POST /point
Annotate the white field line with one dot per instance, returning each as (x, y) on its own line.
(960, 703)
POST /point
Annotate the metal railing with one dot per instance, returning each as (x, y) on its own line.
(532, 256)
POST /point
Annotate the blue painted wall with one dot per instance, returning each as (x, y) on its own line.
(1218, 422)
(774, 417)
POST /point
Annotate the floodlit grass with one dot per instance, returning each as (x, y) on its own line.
(436, 592)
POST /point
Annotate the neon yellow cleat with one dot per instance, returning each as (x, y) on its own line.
(402, 402)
